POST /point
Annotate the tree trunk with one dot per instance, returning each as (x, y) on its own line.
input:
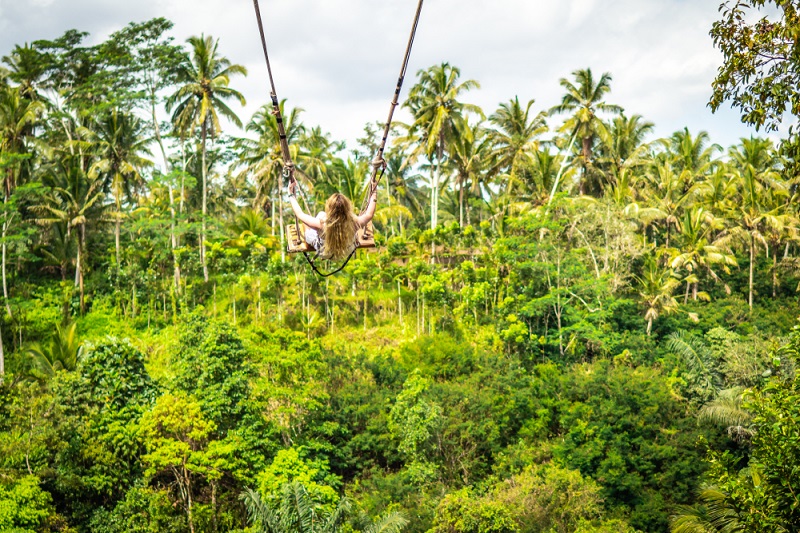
(81, 260)
(461, 201)
(174, 242)
(188, 484)
(5, 283)
(586, 153)
(434, 194)
(2, 358)
(117, 224)
(649, 326)
(167, 170)
(280, 227)
(775, 273)
(204, 173)
(5, 250)
(272, 216)
(400, 305)
(215, 510)
(752, 260)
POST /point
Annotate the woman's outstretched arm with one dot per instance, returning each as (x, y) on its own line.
(364, 219)
(308, 220)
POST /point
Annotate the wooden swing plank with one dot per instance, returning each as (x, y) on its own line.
(296, 242)
(366, 236)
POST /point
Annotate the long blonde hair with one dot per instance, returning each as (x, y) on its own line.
(340, 227)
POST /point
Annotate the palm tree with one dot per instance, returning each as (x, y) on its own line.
(584, 100)
(718, 190)
(438, 118)
(199, 102)
(470, 154)
(728, 410)
(656, 286)
(548, 170)
(60, 353)
(315, 153)
(261, 157)
(119, 143)
(624, 148)
(761, 199)
(348, 177)
(27, 68)
(58, 249)
(663, 195)
(295, 512)
(73, 200)
(513, 139)
(17, 118)
(249, 232)
(696, 250)
(692, 157)
(699, 361)
(404, 187)
(713, 514)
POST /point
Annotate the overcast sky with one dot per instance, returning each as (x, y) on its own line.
(339, 59)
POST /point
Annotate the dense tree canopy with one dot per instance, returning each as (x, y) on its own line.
(567, 325)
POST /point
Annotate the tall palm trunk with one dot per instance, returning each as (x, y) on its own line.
(5, 248)
(2, 359)
(461, 200)
(173, 237)
(79, 268)
(204, 173)
(280, 227)
(434, 194)
(586, 153)
(117, 222)
(775, 271)
(435, 191)
(6, 194)
(434, 187)
(187, 481)
(752, 260)
(174, 242)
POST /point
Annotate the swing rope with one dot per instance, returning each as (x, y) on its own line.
(288, 165)
(377, 163)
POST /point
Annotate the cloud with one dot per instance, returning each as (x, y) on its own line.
(339, 60)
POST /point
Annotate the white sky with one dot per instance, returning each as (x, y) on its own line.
(339, 60)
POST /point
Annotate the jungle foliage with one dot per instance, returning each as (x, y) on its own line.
(566, 326)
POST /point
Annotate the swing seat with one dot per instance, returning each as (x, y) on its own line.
(366, 236)
(296, 241)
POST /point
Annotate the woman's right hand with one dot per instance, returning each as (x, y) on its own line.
(292, 187)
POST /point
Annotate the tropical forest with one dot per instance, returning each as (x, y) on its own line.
(566, 324)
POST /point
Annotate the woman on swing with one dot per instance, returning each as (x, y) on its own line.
(332, 233)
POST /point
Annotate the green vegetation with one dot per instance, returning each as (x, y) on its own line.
(566, 327)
